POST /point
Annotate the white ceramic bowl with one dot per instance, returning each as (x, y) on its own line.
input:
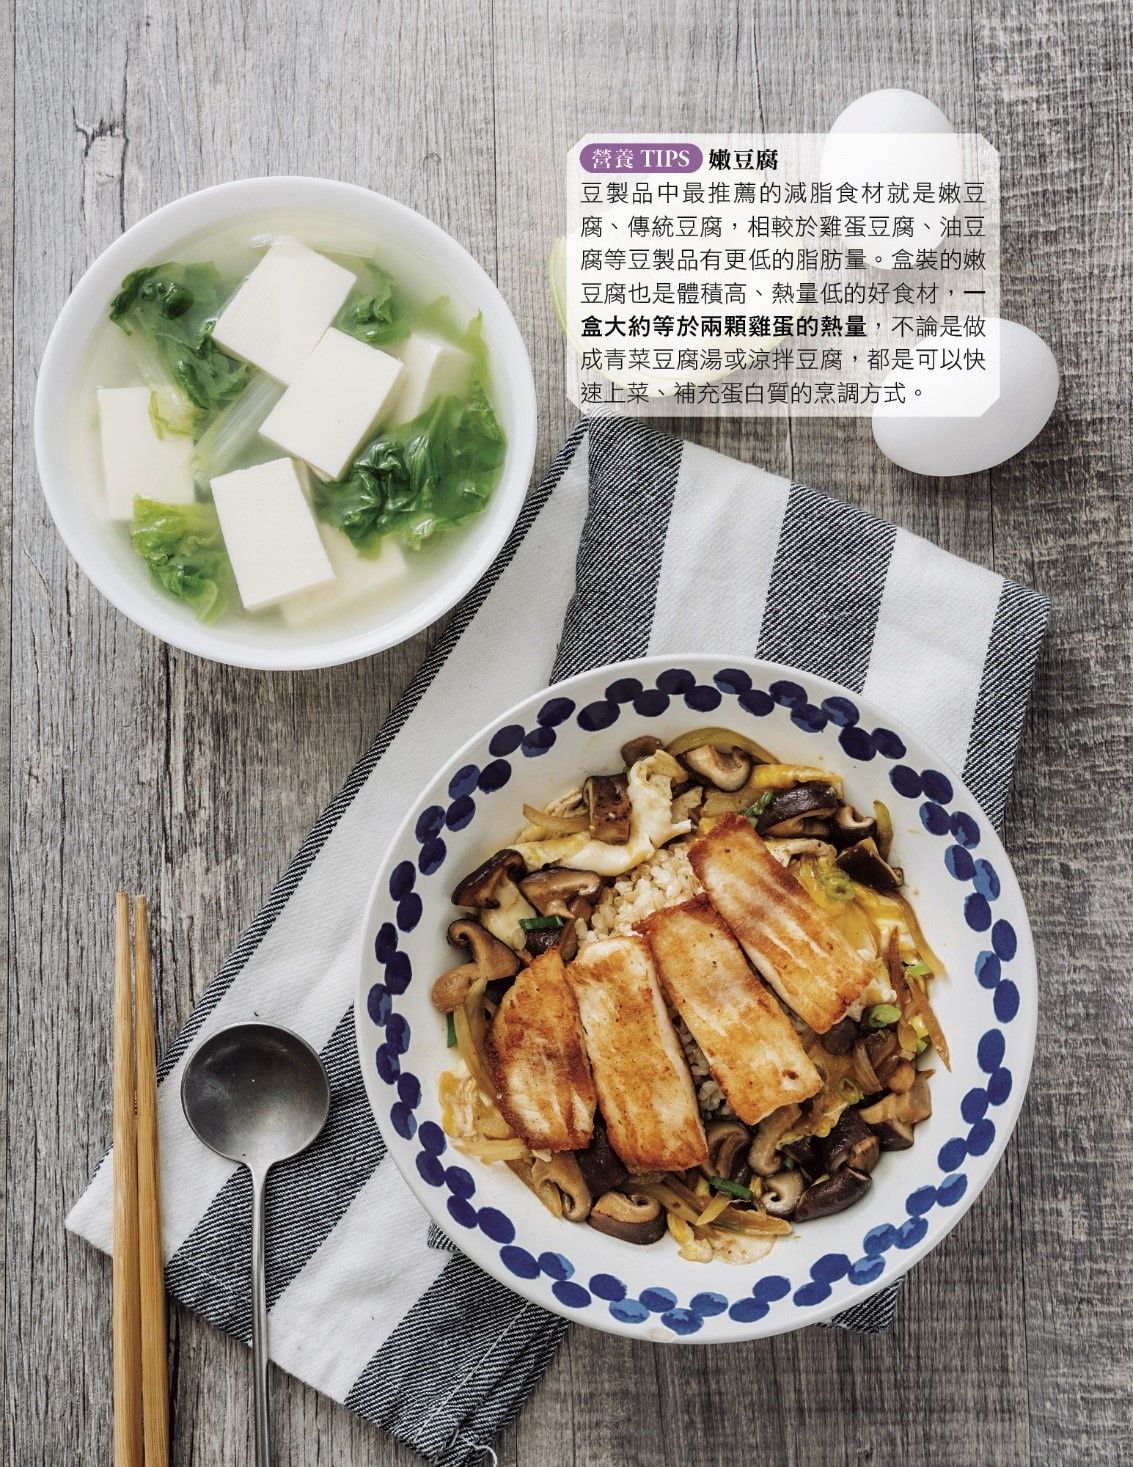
(963, 889)
(414, 249)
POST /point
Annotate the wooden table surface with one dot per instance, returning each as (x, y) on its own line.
(131, 763)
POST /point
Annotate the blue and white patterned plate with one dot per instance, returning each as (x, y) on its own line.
(966, 896)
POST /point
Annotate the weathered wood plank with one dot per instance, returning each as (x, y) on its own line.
(1057, 83)
(7, 167)
(124, 751)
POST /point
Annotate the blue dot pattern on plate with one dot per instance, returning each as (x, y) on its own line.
(930, 793)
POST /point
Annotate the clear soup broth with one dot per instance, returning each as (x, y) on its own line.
(388, 427)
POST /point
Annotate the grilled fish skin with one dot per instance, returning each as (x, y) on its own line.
(751, 1046)
(644, 1085)
(537, 1060)
(789, 938)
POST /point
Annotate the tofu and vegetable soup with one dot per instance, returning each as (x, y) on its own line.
(281, 424)
(691, 998)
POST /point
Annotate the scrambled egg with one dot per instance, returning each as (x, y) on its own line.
(651, 826)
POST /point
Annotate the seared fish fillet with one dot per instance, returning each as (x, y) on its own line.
(785, 933)
(644, 1085)
(747, 1039)
(538, 1062)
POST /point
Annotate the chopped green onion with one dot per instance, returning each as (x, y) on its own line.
(882, 1015)
(917, 970)
(733, 1189)
(450, 1024)
(541, 924)
(922, 1045)
(753, 812)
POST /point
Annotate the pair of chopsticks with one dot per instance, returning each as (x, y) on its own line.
(141, 1396)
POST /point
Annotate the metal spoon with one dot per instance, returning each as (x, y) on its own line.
(256, 1094)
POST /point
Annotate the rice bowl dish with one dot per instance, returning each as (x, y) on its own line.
(694, 1000)
(957, 879)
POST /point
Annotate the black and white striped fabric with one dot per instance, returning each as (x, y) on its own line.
(634, 543)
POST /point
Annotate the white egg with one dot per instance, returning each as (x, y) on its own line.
(901, 138)
(948, 445)
(891, 110)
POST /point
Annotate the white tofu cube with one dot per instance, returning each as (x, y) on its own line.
(276, 318)
(433, 368)
(270, 533)
(338, 395)
(137, 459)
(357, 579)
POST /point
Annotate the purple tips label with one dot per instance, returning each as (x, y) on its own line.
(641, 157)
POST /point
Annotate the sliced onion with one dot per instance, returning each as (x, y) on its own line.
(914, 1002)
(556, 824)
(719, 738)
(720, 1203)
(513, 1150)
(884, 828)
(864, 1072)
(761, 1224)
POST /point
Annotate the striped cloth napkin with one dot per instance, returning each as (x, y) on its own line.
(681, 550)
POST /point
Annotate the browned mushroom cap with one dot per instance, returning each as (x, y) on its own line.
(848, 827)
(490, 958)
(802, 810)
(831, 1195)
(724, 769)
(901, 1075)
(562, 1171)
(911, 1106)
(894, 1135)
(851, 1143)
(601, 1166)
(479, 888)
(609, 808)
(763, 1156)
(563, 940)
(640, 748)
(728, 1143)
(806, 1153)
(842, 1038)
(863, 862)
(634, 1218)
(781, 1193)
(555, 891)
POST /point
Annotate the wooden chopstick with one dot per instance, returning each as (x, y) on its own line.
(126, 1306)
(155, 1390)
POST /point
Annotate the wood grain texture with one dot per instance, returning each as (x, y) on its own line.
(1012, 1346)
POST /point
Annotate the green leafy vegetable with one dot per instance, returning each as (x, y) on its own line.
(418, 479)
(733, 1189)
(375, 315)
(184, 549)
(450, 1025)
(174, 307)
(541, 924)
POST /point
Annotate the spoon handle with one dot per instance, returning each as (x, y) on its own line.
(259, 1323)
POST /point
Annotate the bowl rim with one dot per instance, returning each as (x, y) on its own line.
(982, 1167)
(247, 195)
